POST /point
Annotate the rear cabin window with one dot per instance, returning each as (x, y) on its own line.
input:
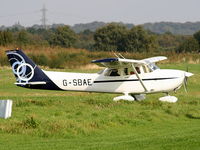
(112, 72)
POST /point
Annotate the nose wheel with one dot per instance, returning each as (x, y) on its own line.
(168, 98)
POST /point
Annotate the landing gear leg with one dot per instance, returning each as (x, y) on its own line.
(139, 97)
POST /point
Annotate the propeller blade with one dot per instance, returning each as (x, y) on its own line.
(187, 74)
(185, 83)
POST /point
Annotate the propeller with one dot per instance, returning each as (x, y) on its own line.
(185, 83)
(186, 75)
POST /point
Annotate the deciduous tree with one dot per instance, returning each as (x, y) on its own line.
(63, 36)
(138, 40)
(189, 45)
(110, 37)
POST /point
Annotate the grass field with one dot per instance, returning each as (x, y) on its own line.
(74, 120)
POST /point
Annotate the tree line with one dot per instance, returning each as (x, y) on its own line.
(111, 37)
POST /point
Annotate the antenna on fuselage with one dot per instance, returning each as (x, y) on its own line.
(116, 55)
(119, 55)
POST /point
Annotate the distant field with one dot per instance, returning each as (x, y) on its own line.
(75, 120)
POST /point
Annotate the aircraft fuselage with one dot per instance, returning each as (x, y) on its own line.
(160, 80)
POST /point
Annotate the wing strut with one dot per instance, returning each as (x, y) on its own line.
(136, 73)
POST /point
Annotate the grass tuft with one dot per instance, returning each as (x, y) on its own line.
(30, 122)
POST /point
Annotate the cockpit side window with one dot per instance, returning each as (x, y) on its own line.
(146, 69)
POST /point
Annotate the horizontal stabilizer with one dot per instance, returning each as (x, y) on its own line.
(31, 83)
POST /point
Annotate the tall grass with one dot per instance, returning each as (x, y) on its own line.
(74, 58)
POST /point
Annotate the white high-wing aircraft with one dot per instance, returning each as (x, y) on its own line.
(132, 78)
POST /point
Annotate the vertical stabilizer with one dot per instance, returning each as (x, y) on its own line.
(27, 73)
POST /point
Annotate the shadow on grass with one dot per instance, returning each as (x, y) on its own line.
(192, 116)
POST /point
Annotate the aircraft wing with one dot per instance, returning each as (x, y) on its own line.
(154, 59)
(117, 62)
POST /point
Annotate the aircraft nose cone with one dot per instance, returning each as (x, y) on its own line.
(188, 74)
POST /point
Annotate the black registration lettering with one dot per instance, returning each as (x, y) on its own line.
(84, 82)
(89, 82)
(74, 82)
(64, 82)
(81, 82)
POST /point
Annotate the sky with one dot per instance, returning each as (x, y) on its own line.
(70, 12)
